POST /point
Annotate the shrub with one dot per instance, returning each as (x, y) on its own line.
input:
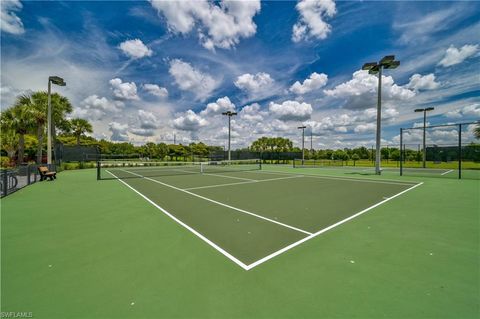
(5, 161)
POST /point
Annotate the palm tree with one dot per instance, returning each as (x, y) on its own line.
(20, 119)
(79, 127)
(61, 106)
(37, 102)
(476, 131)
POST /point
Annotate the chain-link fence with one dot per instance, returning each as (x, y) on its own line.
(14, 179)
(447, 151)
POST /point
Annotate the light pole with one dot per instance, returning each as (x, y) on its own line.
(425, 110)
(58, 81)
(387, 62)
(229, 114)
(303, 143)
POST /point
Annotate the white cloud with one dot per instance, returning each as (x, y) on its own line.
(365, 128)
(471, 110)
(97, 108)
(420, 124)
(124, 90)
(9, 21)
(252, 113)
(156, 90)
(221, 25)
(119, 131)
(314, 82)
(221, 105)
(425, 82)
(135, 49)
(142, 132)
(291, 110)
(455, 56)
(189, 121)
(254, 83)
(359, 92)
(147, 120)
(190, 79)
(311, 23)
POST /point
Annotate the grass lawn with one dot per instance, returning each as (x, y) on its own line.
(81, 248)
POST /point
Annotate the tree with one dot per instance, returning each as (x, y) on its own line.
(9, 142)
(476, 131)
(355, 158)
(21, 120)
(260, 145)
(79, 127)
(162, 150)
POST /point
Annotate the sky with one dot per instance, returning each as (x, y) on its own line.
(144, 71)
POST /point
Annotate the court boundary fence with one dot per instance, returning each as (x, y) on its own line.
(459, 146)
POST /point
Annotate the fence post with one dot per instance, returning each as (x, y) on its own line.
(401, 152)
(5, 182)
(459, 151)
(98, 171)
(28, 174)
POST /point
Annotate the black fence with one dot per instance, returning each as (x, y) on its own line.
(76, 153)
(447, 151)
(17, 178)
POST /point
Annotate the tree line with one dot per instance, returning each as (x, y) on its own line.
(27, 120)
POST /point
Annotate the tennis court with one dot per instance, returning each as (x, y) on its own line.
(248, 214)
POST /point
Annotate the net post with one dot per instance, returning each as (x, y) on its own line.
(459, 151)
(201, 167)
(98, 170)
(28, 175)
(401, 152)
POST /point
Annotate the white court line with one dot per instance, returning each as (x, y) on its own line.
(406, 183)
(205, 239)
(223, 204)
(264, 259)
(241, 183)
(234, 177)
(447, 172)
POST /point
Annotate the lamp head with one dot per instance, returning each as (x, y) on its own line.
(369, 65)
(57, 80)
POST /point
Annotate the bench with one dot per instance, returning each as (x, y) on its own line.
(45, 173)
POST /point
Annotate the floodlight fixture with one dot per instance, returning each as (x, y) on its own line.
(387, 59)
(425, 110)
(369, 65)
(57, 80)
(229, 114)
(374, 70)
(392, 65)
(387, 62)
(60, 82)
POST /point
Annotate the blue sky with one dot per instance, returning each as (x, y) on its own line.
(143, 70)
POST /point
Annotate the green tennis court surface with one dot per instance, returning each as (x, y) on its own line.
(82, 248)
(251, 216)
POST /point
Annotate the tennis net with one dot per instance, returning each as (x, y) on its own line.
(132, 169)
(317, 163)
